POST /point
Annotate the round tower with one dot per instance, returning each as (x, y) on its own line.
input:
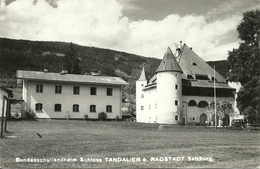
(140, 99)
(169, 90)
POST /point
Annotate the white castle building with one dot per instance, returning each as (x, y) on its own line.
(180, 91)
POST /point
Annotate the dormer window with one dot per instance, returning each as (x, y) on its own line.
(190, 77)
(194, 64)
(212, 78)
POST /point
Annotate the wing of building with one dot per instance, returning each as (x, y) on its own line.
(180, 91)
(61, 95)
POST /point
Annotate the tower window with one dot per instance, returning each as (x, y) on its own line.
(176, 86)
(142, 107)
(176, 117)
(176, 102)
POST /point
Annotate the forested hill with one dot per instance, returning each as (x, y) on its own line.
(34, 55)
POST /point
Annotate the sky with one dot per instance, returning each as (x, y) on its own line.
(142, 27)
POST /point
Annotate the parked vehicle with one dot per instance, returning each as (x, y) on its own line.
(238, 123)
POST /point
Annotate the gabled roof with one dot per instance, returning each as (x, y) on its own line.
(168, 63)
(69, 78)
(193, 65)
(143, 75)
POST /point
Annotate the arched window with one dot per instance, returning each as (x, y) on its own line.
(192, 103)
(109, 108)
(75, 108)
(57, 107)
(92, 108)
(38, 107)
(203, 104)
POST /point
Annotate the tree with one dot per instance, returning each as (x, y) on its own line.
(244, 65)
(71, 61)
(223, 110)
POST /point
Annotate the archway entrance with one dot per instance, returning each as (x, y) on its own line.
(203, 119)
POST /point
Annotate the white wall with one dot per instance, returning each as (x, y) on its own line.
(48, 98)
(167, 94)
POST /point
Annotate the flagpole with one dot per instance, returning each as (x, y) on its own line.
(215, 100)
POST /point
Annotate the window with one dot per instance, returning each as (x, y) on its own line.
(176, 87)
(176, 74)
(176, 102)
(155, 106)
(58, 89)
(142, 95)
(75, 108)
(57, 107)
(93, 91)
(149, 107)
(142, 107)
(192, 103)
(109, 91)
(203, 104)
(176, 117)
(38, 107)
(109, 108)
(193, 118)
(39, 88)
(76, 90)
(92, 108)
(142, 85)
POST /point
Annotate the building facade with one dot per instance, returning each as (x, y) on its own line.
(61, 95)
(181, 90)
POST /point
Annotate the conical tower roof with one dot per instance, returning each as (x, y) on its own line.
(168, 63)
(143, 75)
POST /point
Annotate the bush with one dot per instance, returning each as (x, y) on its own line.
(85, 117)
(102, 116)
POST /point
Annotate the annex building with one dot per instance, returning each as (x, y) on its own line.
(62, 95)
(181, 90)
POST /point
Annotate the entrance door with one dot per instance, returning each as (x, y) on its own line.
(203, 119)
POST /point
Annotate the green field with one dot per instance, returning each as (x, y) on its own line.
(172, 146)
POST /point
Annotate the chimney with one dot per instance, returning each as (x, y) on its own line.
(64, 71)
(45, 69)
(178, 51)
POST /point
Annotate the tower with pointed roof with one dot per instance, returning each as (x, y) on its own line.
(169, 89)
(140, 101)
(181, 90)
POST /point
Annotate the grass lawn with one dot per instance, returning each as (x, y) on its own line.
(173, 146)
